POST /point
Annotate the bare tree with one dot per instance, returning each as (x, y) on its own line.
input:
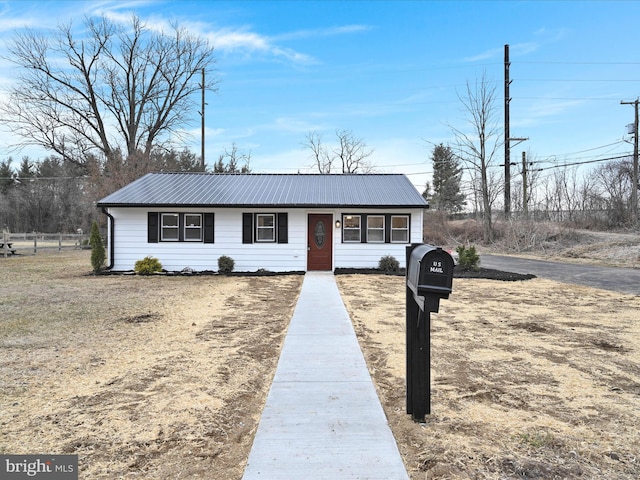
(349, 152)
(352, 152)
(233, 159)
(477, 147)
(615, 180)
(116, 87)
(321, 158)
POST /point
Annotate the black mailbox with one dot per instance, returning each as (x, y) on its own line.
(429, 278)
(430, 274)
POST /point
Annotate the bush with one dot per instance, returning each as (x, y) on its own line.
(98, 255)
(467, 231)
(436, 228)
(148, 266)
(389, 264)
(468, 258)
(225, 265)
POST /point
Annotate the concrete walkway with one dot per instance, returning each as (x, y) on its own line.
(323, 418)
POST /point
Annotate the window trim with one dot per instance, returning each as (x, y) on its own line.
(407, 229)
(369, 217)
(199, 228)
(172, 227)
(260, 228)
(345, 228)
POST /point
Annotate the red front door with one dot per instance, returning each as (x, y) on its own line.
(320, 242)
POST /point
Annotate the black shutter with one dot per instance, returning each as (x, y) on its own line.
(247, 228)
(363, 229)
(283, 228)
(181, 227)
(152, 227)
(208, 228)
(387, 228)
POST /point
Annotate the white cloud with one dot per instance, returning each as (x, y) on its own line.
(486, 55)
(242, 41)
(229, 40)
(322, 32)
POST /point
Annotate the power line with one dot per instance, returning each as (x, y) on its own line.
(596, 148)
(586, 162)
(608, 99)
(581, 63)
(608, 80)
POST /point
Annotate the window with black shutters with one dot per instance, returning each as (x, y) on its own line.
(180, 227)
(265, 227)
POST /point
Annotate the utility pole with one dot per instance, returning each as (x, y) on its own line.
(507, 147)
(634, 188)
(525, 200)
(202, 113)
(507, 137)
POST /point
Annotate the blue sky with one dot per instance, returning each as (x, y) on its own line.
(392, 73)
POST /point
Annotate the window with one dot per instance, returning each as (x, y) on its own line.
(170, 227)
(192, 227)
(375, 228)
(399, 229)
(265, 227)
(351, 228)
(180, 227)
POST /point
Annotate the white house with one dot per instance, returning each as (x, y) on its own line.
(276, 222)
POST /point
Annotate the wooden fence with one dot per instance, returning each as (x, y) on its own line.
(33, 243)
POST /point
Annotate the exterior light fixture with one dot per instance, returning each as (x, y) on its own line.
(338, 223)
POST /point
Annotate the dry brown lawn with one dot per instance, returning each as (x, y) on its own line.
(533, 379)
(142, 377)
(165, 377)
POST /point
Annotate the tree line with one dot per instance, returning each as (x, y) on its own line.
(112, 102)
(58, 195)
(597, 198)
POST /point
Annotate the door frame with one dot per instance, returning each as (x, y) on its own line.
(329, 234)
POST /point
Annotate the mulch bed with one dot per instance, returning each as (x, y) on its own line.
(490, 274)
(458, 272)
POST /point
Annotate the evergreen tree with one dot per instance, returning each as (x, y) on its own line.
(98, 255)
(447, 174)
(6, 175)
(26, 168)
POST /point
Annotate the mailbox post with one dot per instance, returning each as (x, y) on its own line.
(429, 278)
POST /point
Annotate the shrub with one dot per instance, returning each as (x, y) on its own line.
(466, 231)
(436, 228)
(225, 265)
(148, 266)
(389, 264)
(98, 255)
(468, 258)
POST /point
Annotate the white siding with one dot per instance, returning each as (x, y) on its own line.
(131, 242)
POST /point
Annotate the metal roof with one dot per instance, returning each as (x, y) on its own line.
(267, 190)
